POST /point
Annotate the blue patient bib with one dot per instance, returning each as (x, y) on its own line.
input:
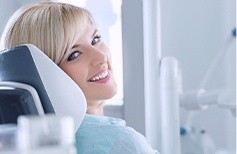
(107, 135)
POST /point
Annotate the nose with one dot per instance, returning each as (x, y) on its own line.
(98, 57)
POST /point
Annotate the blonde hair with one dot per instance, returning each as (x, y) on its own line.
(52, 27)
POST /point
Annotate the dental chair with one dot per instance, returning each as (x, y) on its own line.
(31, 84)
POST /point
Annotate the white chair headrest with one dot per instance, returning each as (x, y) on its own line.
(58, 93)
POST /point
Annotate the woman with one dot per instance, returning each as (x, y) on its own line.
(68, 35)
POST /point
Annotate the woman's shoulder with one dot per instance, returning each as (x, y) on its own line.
(101, 132)
(108, 128)
(131, 141)
(111, 133)
(107, 125)
(102, 120)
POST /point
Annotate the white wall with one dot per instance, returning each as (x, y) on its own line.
(7, 8)
(195, 31)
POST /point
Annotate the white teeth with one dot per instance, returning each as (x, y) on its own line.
(100, 76)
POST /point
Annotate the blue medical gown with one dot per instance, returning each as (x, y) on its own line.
(107, 135)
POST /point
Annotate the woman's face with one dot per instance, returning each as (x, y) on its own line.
(89, 65)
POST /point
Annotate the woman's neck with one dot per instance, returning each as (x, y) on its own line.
(95, 108)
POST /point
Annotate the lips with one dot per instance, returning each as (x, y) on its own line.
(102, 75)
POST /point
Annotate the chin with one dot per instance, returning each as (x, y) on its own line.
(103, 95)
(109, 95)
(102, 92)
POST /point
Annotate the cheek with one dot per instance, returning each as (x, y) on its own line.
(80, 78)
(77, 74)
(103, 47)
(108, 53)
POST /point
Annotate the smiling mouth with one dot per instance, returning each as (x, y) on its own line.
(100, 76)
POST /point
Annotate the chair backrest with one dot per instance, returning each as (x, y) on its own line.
(57, 92)
(18, 99)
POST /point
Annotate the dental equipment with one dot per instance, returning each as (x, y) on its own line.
(172, 98)
(201, 99)
(8, 136)
(224, 97)
(49, 134)
(170, 123)
(58, 93)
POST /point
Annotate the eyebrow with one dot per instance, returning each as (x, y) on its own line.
(75, 46)
(95, 31)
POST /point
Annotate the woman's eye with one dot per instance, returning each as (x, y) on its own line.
(96, 39)
(74, 55)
